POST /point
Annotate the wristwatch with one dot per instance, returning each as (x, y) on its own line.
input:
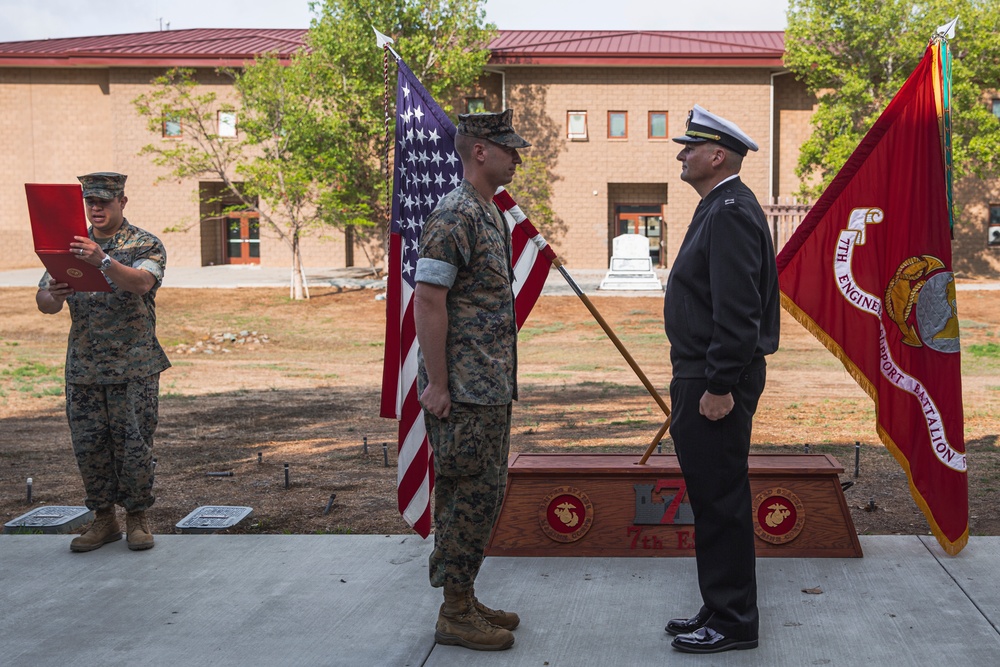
(105, 263)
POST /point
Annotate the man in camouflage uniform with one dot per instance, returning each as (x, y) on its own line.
(464, 316)
(113, 364)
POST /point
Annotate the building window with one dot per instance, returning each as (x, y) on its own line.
(475, 105)
(657, 124)
(227, 124)
(576, 124)
(171, 126)
(617, 125)
(996, 108)
(993, 230)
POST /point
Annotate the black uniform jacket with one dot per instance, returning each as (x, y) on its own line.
(721, 305)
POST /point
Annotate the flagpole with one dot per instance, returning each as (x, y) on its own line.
(558, 263)
(508, 205)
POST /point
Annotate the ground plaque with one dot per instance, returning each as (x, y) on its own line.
(607, 505)
(213, 518)
(50, 519)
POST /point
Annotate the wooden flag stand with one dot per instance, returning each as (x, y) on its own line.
(613, 505)
(608, 505)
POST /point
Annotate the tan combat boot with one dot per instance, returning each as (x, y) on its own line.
(137, 531)
(507, 620)
(459, 624)
(103, 530)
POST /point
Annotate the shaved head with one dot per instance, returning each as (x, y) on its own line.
(464, 144)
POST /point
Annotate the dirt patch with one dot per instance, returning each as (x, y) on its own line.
(309, 397)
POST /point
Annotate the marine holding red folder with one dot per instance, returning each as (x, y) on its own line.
(113, 359)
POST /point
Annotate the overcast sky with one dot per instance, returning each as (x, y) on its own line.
(41, 19)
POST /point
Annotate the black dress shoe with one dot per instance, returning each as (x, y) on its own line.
(681, 626)
(707, 640)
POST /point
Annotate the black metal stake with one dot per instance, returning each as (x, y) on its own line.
(329, 504)
(385, 453)
(29, 490)
(659, 448)
(807, 448)
(365, 440)
(871, 504)
(857, 458)
(260, 457)
(286, 475)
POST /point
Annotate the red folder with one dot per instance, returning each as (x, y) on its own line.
(57, 215)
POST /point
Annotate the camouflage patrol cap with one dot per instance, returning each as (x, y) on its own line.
(495, 127)
(103, 184)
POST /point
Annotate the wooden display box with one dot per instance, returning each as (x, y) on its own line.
(607, 505)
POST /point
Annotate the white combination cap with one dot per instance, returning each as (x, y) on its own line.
(704, 126)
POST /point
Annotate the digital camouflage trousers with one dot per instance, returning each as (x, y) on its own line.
(112, 427)
(470, 476)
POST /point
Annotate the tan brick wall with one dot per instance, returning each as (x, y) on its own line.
(794, 106)
(58, 123)
(55, 124)
(543, 96)
(174, 205)
(489, 87)
(972, 256)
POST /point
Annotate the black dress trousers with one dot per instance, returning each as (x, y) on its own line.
(713, 459)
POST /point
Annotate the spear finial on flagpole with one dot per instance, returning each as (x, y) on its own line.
(384, 41)
(382, 38)
(946, 31)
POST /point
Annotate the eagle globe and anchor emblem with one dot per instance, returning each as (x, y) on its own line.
(920, 299)
(779, 515)
(565, 514)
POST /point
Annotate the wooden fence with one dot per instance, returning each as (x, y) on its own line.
(784, 215)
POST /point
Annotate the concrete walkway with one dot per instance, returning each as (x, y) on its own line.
(364, 600)
(233, 276)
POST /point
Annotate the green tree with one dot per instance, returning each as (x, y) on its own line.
(855, 55)
(444, 43)
(314, 144)
(278, 166)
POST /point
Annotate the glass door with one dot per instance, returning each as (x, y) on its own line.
(242, 237)
(643, 220)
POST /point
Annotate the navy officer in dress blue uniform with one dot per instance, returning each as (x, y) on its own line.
(721, 316)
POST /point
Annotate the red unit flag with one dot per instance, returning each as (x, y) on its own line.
(869, 272)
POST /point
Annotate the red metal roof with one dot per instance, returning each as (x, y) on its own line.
(169, 48)
(213, 47)
(596, 48)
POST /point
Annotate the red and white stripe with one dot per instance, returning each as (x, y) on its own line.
(530, 258)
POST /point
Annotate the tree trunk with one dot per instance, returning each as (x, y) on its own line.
(298, 282)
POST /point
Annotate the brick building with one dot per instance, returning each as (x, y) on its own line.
(602, 107)
(598, 106)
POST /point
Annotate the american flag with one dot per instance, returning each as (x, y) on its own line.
(426, 167)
